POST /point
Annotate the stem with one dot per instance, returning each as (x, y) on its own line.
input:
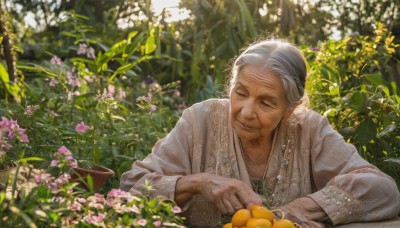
(7, 44)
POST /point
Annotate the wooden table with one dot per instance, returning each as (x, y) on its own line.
(394, 223)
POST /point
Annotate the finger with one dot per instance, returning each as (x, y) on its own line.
(228, 206)
(221, 206)
(235, 202)
(249, 198)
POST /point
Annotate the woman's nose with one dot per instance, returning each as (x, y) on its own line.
(248, 110)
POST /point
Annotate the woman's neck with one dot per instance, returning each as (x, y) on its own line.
(257, 151)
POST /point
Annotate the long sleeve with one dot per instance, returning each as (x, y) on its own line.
(169, 160)
(349, 188)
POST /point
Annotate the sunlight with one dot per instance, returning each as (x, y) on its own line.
(172, 6)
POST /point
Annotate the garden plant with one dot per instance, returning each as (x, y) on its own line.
(85, 93)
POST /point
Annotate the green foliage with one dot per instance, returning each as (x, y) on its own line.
(96, 104)
(346, 85)
(123, 84)
(55, 201)
(102, 87)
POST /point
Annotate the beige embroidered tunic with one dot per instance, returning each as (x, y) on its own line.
(308, 158)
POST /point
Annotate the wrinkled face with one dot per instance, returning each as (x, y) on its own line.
(258, 103)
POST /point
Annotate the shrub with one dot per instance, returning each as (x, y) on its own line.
(346, 85)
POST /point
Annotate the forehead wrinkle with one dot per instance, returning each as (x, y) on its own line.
(248, 78)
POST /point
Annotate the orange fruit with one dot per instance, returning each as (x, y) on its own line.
(283, 223)
(240, 218)
(228, 225)
(262, 212)
(258, 223)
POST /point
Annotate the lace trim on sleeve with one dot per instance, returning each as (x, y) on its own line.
(340, 206)
(219, 160)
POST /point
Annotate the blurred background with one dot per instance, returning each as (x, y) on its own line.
(198, 36)
(181, 51)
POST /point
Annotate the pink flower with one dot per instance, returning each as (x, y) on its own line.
(90, 53)
(140, 98)
(68, 74)
(24, 138)
(38, 178)
(81, 127)
(54, 163)
(111, 89)
(121, 94)
(176, 93)
(142, 222)
(53, 82)
(81, 200)
(30, 109)
(153, 108)
(64, 150)
(75, 82)
(73, 164)
(93, 219)
(144, 98)
(11, 134)
(76, 207)
(55, 60)
(157, 223)
(98, 206)
(114, 193)
(176, 209)
(28, 112)
(4, 123)
(82, 49)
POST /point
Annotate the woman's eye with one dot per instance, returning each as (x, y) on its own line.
(240, 93)
(265, 104)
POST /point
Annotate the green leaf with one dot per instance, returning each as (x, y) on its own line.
(366, 131)
(38, 68)
(2, 197)
(150, 44)
(357, 101)
(28, 159)
(4, 74)
(375, 79)
(131, 35)
(117, 117)
(128, 66)
(96, 154)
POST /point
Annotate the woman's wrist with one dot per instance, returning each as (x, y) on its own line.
(187, 186)
(304, 209)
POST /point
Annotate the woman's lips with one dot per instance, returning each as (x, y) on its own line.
(245, 127)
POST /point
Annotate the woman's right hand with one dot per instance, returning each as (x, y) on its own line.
(228, 195)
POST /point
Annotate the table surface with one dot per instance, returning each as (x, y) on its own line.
(394, 223)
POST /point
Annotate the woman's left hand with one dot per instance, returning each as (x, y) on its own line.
(305, 212)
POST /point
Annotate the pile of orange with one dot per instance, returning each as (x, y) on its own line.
(257, 217)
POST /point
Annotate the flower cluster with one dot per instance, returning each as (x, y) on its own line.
(110, 94)
(63, 159)
(111, 210)
(29, 110)
(81, 127)
(53, 183)
(9, 130)
(83, 49)
(147, 99)
(56, 60)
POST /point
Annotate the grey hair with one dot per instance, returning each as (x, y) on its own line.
(282, 58)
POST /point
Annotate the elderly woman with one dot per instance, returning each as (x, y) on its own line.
(263, 144)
